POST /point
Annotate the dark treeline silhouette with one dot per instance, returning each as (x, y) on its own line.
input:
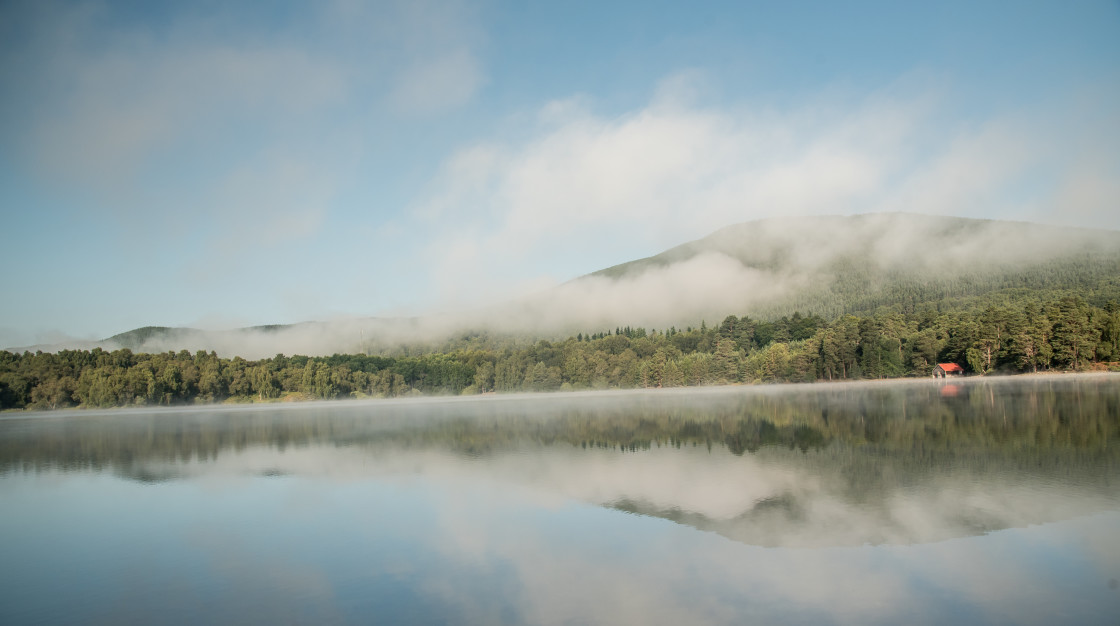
(1014, 334)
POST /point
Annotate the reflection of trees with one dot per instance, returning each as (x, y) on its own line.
(830, 464)
(1038, 423)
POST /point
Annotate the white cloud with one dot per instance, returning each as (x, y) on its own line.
(704, 286)
(665, 173)
(587, 185)
(132, 98)
(243, 131)
(969, 173)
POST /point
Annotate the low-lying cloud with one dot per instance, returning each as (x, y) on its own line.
(589, 185)
(755, 268)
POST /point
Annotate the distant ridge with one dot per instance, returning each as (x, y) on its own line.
(137, 337)
(774, 243)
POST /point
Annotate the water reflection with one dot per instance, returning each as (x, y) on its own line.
(884, 500)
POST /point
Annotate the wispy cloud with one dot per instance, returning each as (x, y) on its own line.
(675, 169)
(249, 131)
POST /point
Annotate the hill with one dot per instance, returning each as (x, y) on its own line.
(826, 266)
(833, 265)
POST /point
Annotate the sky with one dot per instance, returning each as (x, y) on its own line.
(223, 164)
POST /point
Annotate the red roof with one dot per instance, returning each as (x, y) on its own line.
(950, 367)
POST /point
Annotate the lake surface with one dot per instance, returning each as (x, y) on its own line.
(985, 502)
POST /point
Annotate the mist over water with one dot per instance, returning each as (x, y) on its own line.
(990, 501)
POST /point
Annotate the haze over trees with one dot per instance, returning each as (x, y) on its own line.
(767, 269)
(1019, 334)
(848, 298)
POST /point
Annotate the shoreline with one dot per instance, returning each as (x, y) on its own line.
(287, 402)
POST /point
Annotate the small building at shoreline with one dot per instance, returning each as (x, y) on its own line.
(947, 370)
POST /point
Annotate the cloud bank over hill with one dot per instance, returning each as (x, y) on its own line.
(822, 265)
(505, 213)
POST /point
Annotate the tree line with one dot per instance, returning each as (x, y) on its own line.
(1012, 335)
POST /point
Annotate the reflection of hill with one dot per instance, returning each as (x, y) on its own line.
(838, 498)
(808, 465)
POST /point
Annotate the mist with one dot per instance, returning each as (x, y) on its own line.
(764, 268)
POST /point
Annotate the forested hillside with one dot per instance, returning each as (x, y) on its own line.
(856, 264)
(769, 269)
(843, 298)
(1008, 333)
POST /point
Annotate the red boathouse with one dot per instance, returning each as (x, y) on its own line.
(943, 370)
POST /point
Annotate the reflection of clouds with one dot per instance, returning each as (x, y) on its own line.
(640, 570)
(423, 535)
(773, 498)
(577, 564)
(418, 512)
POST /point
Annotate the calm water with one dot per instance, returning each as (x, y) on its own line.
(916, 502)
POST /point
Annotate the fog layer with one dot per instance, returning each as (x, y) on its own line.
(763, 268)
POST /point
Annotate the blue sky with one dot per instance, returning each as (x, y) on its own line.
(219, 164)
